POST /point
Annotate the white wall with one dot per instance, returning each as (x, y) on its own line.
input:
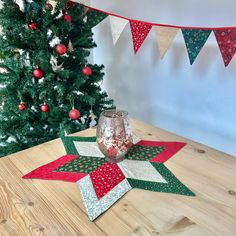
(198, 101)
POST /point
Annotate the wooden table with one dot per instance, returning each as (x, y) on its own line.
(53, 208)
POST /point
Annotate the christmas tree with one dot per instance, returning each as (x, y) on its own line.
(47, 86)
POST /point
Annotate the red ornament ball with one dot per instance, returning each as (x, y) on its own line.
(60, 49)
(87, 71)
(44, 108)
(74, 114)
(48, 6)
(67, 18)
(69, 4)
(38, 73)
(21, 106)
(32, 25)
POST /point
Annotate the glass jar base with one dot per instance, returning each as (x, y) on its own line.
(116, 160)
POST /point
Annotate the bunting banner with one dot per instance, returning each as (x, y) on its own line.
(117, 27)
(164, 37)
(95, 17)
(194, 37)
(195, 40)
(226, 39)
(139, 32)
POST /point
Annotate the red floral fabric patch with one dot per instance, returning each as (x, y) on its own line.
(105, 178)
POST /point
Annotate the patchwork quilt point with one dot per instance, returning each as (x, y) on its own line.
(101, 183)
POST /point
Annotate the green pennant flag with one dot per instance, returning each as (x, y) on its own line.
(195, 40)
(95, 17)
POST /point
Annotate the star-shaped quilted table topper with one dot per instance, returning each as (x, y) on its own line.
(101, 183)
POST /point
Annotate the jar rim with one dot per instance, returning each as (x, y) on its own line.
(114, 114)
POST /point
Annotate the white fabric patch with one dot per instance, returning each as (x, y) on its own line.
(95, 207)
(117, 26)
(142, 170)
(88, 149)
(135, 138)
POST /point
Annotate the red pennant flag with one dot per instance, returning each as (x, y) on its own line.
(139, 32)
(226, 39)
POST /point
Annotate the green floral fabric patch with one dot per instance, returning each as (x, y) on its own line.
(143, 153)
(82, 164)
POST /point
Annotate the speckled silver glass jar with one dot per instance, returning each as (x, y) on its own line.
(114, 134)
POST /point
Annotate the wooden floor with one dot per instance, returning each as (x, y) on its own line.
(54, 208)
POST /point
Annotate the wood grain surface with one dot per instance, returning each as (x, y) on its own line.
(54, 208)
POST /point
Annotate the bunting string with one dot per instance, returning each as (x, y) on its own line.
(194, 37)
(158, 24)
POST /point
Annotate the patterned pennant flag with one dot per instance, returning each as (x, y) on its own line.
(95, 17)
(195, 40)
(164, 37)
(226, 39)
(139, 32)
(117, 27)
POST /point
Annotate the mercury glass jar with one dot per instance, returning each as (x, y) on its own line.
(114, 134)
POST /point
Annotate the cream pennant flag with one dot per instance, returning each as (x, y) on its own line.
(117, 27)
(164, 37)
